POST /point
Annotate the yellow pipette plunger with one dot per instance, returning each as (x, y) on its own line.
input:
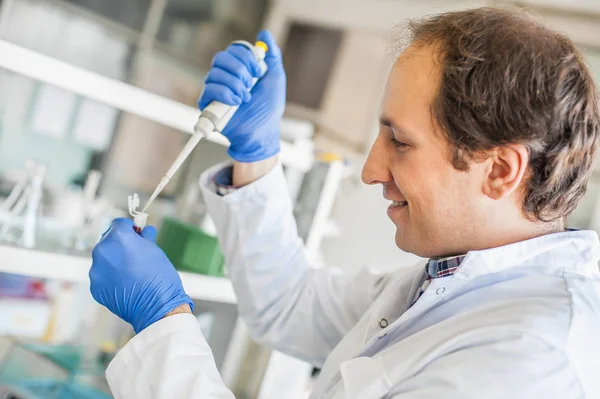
(214, 117)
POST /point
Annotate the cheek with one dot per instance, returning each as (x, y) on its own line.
(457, 199)
(440, 199)
(423, 183)
(421, 196)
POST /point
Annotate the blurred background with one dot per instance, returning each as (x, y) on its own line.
(97, 97)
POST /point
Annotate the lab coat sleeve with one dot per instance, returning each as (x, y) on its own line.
(286, 304)
(169, 359)
(518, 367)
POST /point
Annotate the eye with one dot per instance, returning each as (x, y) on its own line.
(398, 144)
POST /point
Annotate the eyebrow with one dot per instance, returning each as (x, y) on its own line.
(385, 121)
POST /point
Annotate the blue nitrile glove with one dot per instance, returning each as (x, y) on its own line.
(254, 129)
(133, 277)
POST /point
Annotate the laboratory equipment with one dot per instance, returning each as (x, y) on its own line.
(39, 215)
(18, 189)
(213, 118)
(139, 218)
(88, 215)
(190, 248)
(24, 203)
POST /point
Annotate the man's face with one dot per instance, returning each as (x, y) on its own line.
(435, 207)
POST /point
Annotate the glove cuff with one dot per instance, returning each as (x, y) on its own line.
(162, 312)
(260, 153)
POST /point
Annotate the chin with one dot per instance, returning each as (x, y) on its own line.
(404, 243)
(407, 244)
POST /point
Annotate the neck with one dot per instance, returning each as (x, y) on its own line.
(508, 233)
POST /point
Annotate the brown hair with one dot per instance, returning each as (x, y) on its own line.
(508, 79)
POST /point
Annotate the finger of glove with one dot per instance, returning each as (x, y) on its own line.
(94, 289)
(101, 260)
(149, 233)
(97, 282)
(231, 63)
(247, 57)
(117, 224)
(274, 53)
(237, 86)
(109, 249)
(121, 223)
(218, 92)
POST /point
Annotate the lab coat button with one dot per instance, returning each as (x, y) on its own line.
(383, 323)
(440, 290)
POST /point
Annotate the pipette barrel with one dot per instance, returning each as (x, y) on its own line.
(213, 118)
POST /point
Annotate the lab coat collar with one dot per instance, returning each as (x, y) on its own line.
(576, 250)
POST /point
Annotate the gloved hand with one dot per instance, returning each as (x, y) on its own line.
(254, 129)
(133, 277)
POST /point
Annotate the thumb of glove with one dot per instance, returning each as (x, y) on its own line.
(149, 233)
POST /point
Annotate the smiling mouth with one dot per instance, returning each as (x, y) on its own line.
(398, 204)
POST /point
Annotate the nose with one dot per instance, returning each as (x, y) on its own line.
(377, 169)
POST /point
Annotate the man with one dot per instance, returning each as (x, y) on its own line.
(489, 126)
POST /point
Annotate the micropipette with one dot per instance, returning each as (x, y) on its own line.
(214, 117)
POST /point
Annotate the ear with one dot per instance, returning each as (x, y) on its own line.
(507, 168)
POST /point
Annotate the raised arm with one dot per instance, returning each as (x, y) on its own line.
(287, 304)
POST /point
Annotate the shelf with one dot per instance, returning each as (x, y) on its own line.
(208, 288)
(124, 96)
(64, 267)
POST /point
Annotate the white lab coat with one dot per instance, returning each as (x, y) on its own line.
(519, 321)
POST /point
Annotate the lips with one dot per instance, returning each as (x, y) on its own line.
(393, 194)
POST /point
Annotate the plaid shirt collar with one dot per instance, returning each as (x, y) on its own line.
(443, 267)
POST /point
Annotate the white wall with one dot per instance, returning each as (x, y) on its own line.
(592, 6)
(569, 17)
(367, 15)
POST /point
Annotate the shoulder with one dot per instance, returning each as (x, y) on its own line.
(545, 307)
(562, 312)
(552, 308)
(583, 294)
(582, 347)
